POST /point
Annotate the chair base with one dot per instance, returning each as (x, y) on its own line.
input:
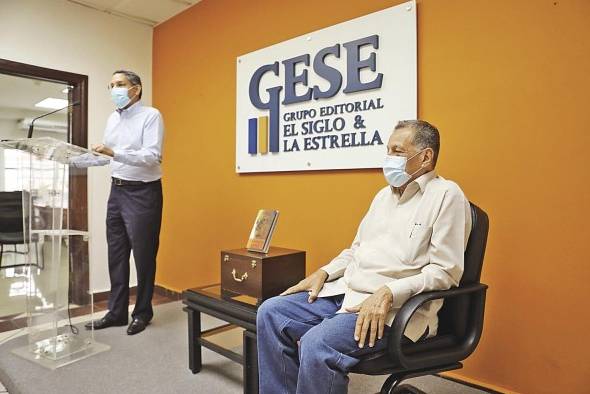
(392, 383)
(392, 386)
(407, 389)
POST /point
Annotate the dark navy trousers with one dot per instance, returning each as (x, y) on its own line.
(134, 216)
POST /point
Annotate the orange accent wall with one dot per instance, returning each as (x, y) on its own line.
(506, 82)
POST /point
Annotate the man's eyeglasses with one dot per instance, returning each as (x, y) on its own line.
(119, 85)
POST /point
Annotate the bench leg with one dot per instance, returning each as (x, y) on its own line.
(250, 363)
(194, 346)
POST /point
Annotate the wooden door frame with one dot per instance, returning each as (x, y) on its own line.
(78, 185)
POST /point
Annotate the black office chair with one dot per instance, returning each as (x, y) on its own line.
(11, 228)
(459, 329)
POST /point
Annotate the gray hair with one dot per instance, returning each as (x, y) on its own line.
(425, 135)
(132, 77)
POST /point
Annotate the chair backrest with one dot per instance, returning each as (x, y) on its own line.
(454, 315)
(11, 212)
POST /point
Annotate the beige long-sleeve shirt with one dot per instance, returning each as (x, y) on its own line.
(411, 244)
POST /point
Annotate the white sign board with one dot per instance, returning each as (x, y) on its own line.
(328, 99)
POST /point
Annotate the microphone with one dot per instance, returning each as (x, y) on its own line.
(30, 134)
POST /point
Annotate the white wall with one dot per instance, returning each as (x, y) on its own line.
(64, 36)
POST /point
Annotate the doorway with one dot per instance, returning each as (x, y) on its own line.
(26, 92)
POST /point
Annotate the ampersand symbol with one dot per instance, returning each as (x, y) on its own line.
(359, 123)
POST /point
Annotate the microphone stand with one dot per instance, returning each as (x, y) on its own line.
(30, 133)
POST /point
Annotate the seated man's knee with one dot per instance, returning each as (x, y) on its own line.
(315, 351)
(311, 342)
(321, 349)
(270, 307)
(321, 337)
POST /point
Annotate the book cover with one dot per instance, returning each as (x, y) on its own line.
(262, 230)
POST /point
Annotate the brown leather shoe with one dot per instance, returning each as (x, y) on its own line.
(136, 326)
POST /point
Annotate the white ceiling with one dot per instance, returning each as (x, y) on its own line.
(148, 12)
(24, 93)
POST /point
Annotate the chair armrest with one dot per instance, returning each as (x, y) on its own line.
(403, 316)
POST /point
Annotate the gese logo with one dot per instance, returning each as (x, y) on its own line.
(354, 65)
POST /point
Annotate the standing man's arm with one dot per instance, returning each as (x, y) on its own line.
(151, 151)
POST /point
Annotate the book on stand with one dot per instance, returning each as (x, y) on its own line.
(262, 231)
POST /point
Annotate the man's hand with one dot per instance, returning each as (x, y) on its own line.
(105, 150)
(313, 283)
(372, 314)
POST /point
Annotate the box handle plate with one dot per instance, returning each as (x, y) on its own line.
(243, 278)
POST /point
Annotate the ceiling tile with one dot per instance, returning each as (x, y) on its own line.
(155, 10)
(146, 11)
(102, 4)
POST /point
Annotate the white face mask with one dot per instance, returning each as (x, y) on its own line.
(120, 96)
(394, 169)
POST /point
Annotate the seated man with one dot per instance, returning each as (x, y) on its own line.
(411, 240)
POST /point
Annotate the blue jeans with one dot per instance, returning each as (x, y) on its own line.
(326, 352)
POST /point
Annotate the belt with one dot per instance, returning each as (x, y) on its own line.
(123, 182)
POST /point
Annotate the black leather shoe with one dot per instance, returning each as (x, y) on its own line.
(105, 322)
(137, 326)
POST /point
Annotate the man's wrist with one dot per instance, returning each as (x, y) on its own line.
(323, 273)
(387, 293)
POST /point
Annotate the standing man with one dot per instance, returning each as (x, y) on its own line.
(133, 138)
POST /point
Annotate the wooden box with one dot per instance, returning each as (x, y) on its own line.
(260, 275)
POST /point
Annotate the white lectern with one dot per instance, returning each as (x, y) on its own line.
(57, 273)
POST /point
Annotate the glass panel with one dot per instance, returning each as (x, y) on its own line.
(14, 273)
(215, 291)
(17, 109)
(44, 270)
(56, 279)
(229, 337)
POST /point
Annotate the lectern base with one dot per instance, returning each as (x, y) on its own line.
(61, 350)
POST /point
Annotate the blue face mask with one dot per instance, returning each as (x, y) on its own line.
(120, 96)
(394, 169)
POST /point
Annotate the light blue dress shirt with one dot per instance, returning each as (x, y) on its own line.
(135, 135)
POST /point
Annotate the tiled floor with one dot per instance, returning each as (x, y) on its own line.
(41, 285)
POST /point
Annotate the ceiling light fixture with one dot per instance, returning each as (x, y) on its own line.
(52, 103)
